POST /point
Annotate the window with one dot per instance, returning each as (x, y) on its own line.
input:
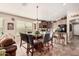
(23, 26)
(1, 26)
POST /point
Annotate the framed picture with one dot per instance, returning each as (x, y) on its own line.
(10, 26)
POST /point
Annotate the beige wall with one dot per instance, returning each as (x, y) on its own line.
(7, 19)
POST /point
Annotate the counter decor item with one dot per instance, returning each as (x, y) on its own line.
(37, 33)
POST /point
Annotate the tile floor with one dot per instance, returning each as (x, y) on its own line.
(71, 49)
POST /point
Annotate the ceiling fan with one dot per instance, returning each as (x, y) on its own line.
(24, 4)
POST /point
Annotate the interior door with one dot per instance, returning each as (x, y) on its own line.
(76, 29)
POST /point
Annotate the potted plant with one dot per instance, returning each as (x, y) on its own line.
(37, 33)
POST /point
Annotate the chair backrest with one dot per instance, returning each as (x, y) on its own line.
(46, 37)
(51, 36)
(24, 37)
(30, 38)
(27, 38)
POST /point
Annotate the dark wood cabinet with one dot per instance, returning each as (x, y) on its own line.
(45, 24)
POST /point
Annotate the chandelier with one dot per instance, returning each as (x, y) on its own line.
(37, 18)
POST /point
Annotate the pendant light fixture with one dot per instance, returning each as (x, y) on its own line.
(37, 18)
(37, 24)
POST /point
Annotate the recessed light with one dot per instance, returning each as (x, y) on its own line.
(64, 4)
(24, 4)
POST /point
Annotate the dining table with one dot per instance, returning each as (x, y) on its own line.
(38, 40)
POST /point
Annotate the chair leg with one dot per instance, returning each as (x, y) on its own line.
(20, 43)
(52, 43)
(27, 52)
(32, 52)
(49, 45)
(27, 49)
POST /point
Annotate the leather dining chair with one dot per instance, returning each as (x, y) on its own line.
(31, 46)
(46, 40)
(27, 39)
(51, 39)
(35, 46)
(24, 38)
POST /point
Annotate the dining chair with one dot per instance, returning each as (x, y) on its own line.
(46, 41)
(35, 46)
(28, 39)
(51, 39)
(31, 46)
(24, 38)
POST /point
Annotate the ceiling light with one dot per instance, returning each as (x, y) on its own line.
(64, 4)
(37, 17)
(24, 4)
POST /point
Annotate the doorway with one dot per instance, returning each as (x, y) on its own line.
(76, 29)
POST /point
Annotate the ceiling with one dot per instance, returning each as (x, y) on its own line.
(46, 11)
